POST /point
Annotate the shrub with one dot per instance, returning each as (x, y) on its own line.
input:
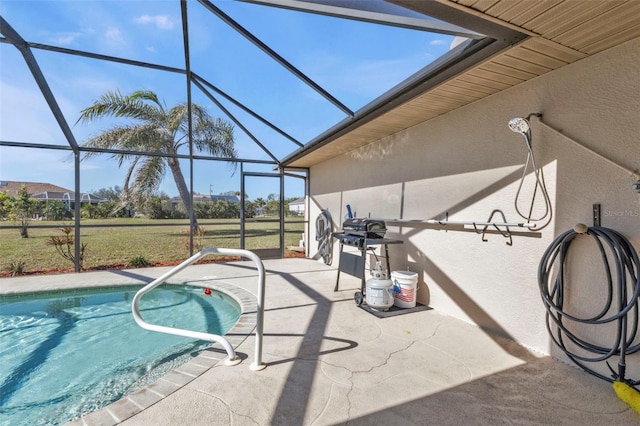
(16, 268)
(198, 239)
(64, 246)
(138, 262)
(110, 209)
(56, 210)
(21, 209)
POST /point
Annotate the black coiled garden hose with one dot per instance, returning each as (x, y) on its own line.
(620, 307)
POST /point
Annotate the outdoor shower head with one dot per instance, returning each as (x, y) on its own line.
(519, 125)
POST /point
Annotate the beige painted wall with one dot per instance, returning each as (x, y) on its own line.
(468, 163)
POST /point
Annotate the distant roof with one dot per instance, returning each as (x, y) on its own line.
(46, 191)
(212, 198)
(230, 198)
(10, 187)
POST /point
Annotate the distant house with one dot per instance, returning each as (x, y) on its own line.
(297, 207)
(49, 192)
(233, 199)
(202, 198)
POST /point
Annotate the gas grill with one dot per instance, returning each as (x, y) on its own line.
(356, 231)
(367, 228)
(365, 234)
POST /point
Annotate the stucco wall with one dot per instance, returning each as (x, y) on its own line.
(468, 163)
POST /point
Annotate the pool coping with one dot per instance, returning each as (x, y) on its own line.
(137, 401)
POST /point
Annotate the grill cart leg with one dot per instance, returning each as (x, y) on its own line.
(339, 258)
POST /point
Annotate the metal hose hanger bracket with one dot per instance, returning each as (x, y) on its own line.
(622, 267)
(323, 236)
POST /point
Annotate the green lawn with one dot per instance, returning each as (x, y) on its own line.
(116, 246)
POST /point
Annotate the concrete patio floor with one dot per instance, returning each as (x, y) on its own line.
(330, 362)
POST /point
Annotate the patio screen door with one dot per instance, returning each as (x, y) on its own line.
(262, 224)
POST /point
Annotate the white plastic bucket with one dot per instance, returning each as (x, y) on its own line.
(405, 287)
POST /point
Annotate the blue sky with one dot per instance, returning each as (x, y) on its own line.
(354, 61)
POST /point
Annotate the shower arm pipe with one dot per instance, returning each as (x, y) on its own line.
(557, 132)
(463, 223)
(232, 359)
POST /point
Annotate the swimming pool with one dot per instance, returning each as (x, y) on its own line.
(68, 353)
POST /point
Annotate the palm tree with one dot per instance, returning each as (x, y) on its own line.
(157, 130)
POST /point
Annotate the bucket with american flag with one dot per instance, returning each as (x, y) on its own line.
(405, 287)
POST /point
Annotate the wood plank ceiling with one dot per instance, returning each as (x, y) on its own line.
(560, 32)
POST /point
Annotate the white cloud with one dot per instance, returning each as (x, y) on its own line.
(65, 39)
(162, 22)
(93, 165)
(114, 37)
(437, 42)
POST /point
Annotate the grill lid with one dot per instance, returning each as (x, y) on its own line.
(364, 227)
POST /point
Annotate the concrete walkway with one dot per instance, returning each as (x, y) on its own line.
(330, 362)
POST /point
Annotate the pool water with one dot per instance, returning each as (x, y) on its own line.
(65, 354)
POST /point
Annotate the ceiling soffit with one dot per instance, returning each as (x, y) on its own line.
(559, 32)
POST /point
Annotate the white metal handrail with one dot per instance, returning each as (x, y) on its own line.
(232, 358)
